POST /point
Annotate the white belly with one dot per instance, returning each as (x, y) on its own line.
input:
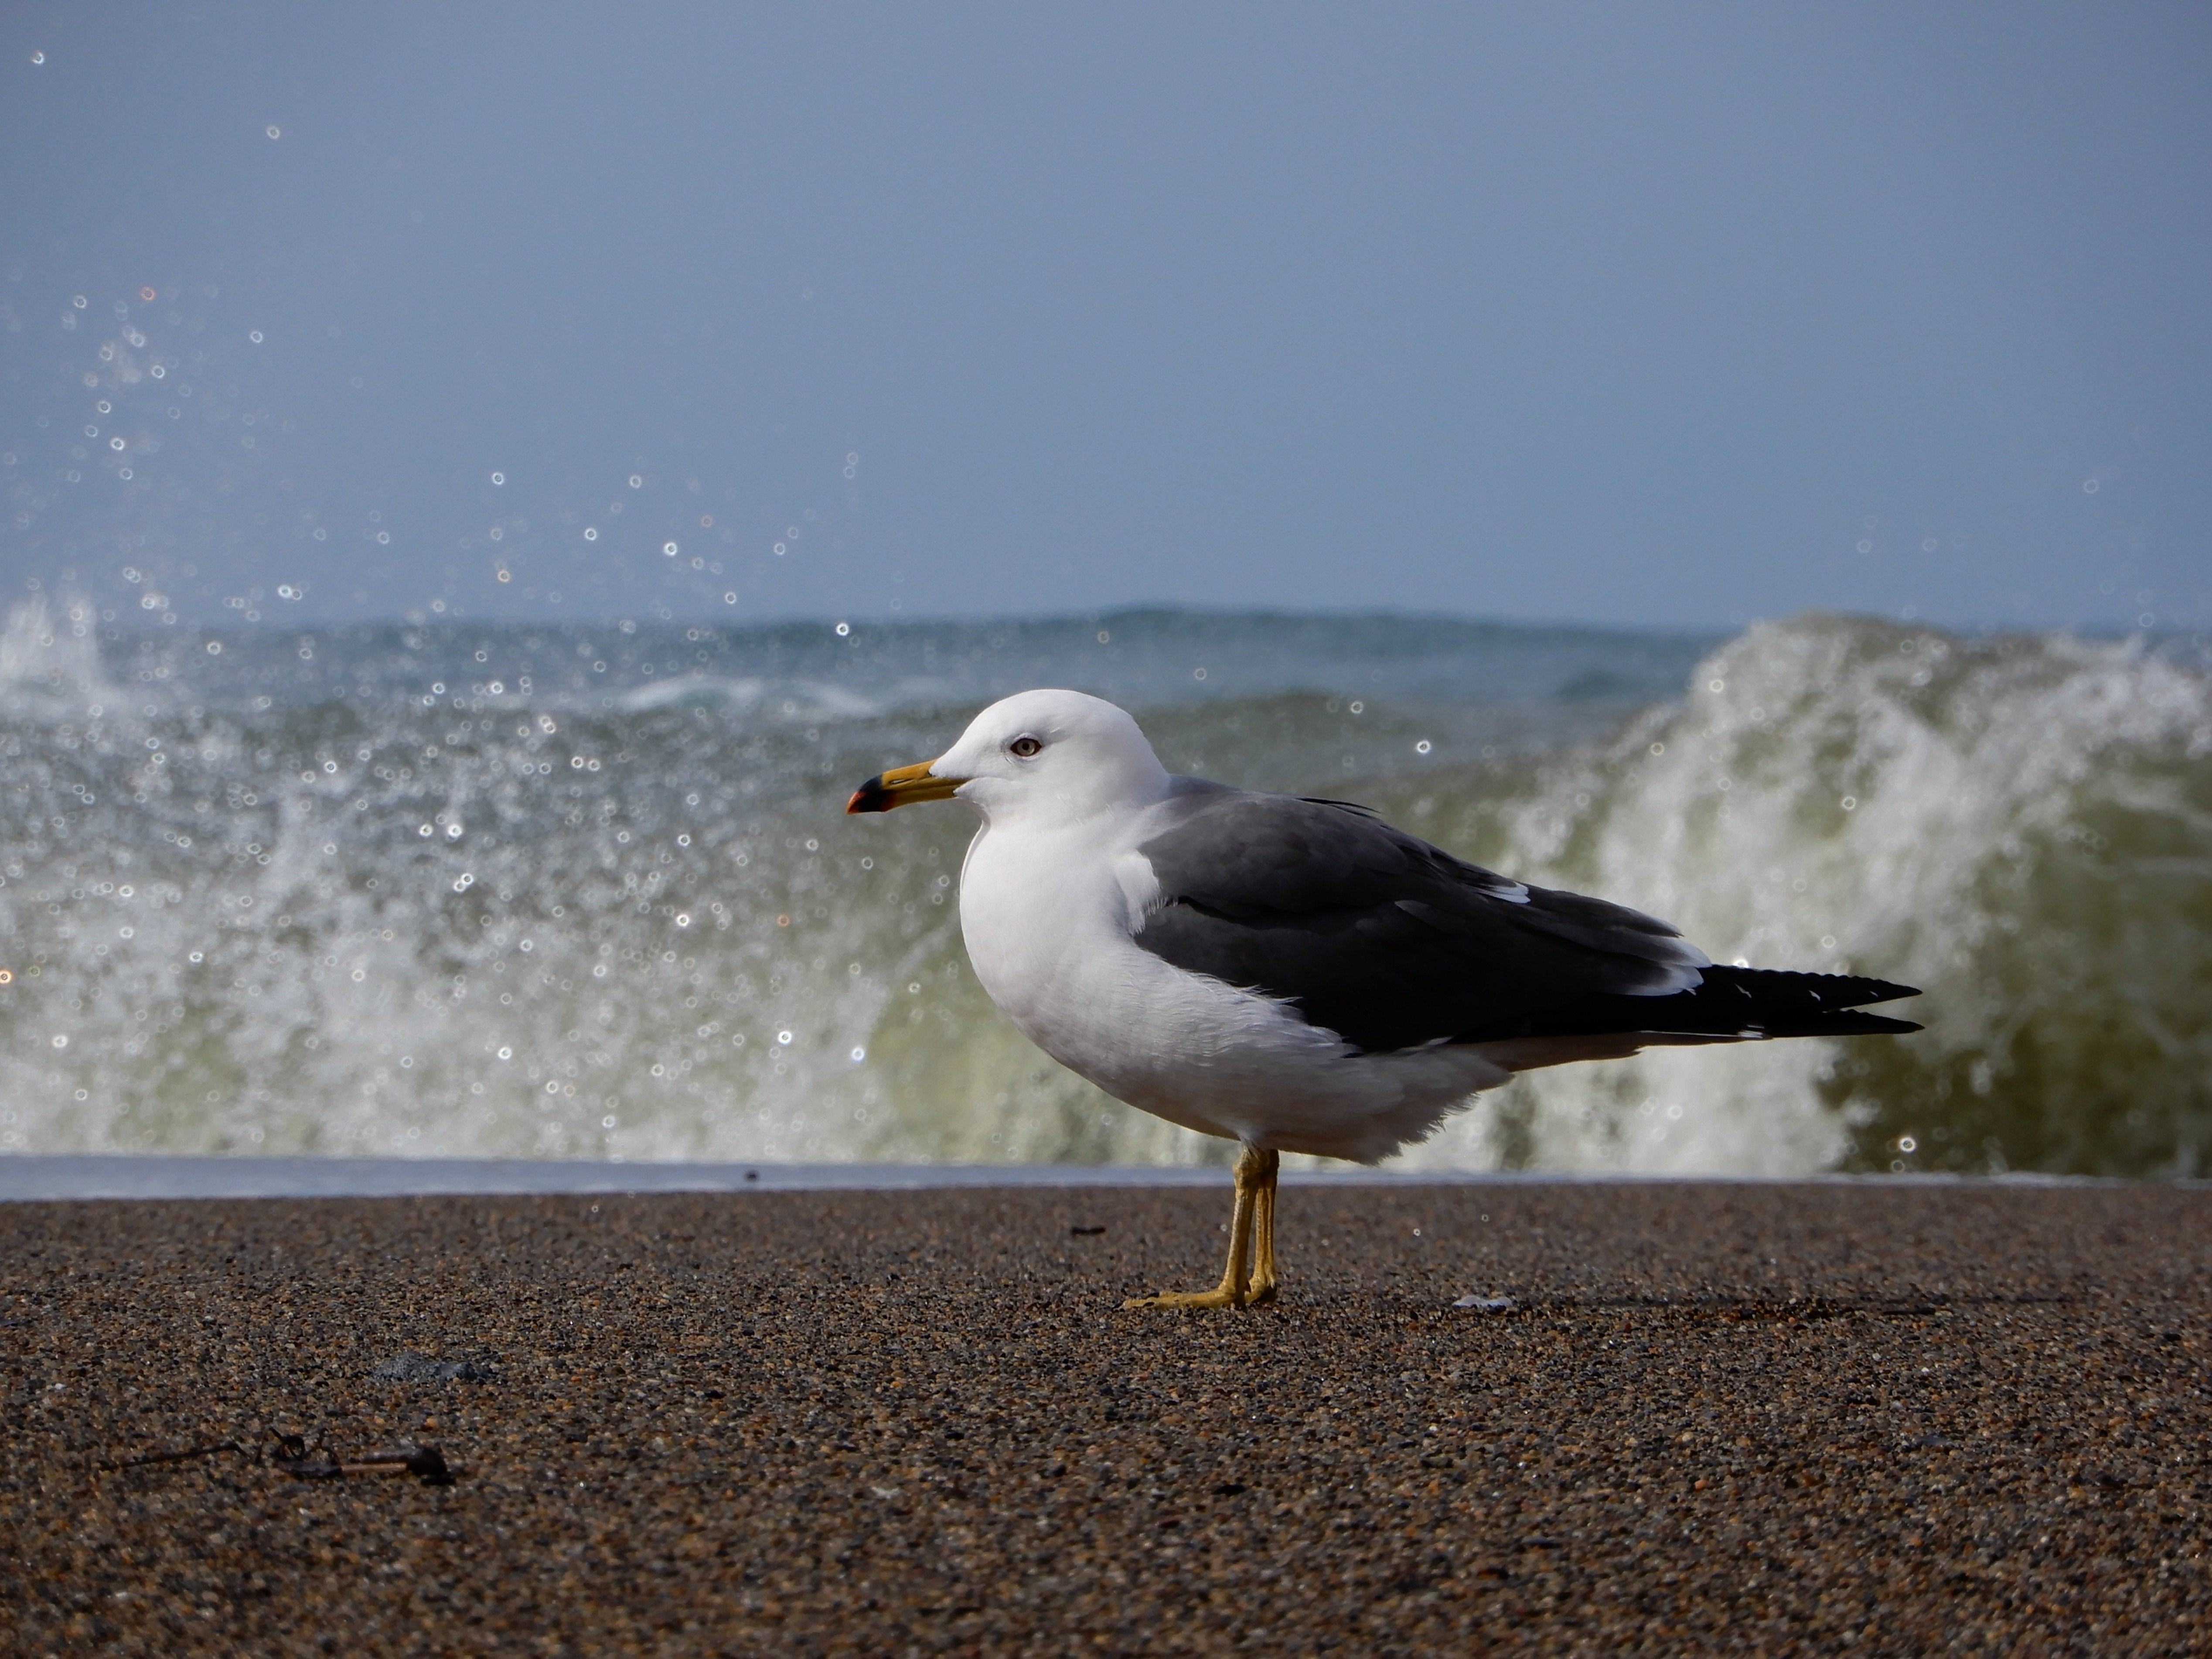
(1049, 924)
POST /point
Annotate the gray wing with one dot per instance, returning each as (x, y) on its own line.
(1394, 943)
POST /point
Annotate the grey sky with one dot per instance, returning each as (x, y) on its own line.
(1631, 314)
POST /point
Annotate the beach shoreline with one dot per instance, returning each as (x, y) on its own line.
(1776, 1415)
(46, 1177)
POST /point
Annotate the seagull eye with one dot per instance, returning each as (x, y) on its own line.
(1025, 747)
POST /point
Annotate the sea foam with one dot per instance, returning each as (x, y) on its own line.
(588, 892)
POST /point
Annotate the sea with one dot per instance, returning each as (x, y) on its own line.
(444, 890)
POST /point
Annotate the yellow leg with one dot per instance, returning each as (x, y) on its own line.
(1241, 1285)
(1260, 1286)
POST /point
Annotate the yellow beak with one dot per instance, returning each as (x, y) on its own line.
(902, 786)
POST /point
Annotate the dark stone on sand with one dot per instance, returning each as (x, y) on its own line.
(1895, 1418)
(412, 1367)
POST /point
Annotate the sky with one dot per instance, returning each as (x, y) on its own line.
(1639, 315)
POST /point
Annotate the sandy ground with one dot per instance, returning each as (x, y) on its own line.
(1753, 1419)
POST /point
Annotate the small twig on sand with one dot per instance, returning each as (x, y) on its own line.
(425, 1463)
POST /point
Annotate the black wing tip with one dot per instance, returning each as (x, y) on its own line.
(1845, 1022)
(1858, 1024)
(1837, 991)
(1883, 990)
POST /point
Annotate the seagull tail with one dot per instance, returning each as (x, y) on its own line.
(1729, 1005)
(1765, 1002)
(1784, 997)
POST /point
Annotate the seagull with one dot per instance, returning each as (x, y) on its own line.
(1294, 974)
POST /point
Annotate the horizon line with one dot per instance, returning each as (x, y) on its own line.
(2117, 628)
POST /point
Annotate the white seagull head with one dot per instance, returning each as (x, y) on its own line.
(1041, 758)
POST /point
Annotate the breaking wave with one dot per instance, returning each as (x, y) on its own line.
(2021, 826)
(589, 893)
